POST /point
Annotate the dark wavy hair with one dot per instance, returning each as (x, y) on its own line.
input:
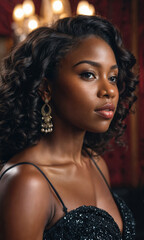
(37, 58)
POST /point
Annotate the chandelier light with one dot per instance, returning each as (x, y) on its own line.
(33, 23)
(28, 8)
(84, 8)
(18, 14)
(91, 10)
(25, 19)
(57, 6)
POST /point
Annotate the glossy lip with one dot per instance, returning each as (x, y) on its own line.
(106, 111)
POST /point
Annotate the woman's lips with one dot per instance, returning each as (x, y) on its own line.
(106, 111)
(108, 114)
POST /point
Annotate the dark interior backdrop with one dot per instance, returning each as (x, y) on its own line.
(126, 166)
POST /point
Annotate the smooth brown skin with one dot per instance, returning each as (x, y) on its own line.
(27, 202)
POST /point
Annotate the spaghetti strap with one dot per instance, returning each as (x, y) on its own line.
(99, 171)
(22, 163)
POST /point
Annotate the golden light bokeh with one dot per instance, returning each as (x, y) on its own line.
(28, 8)
(57, 6)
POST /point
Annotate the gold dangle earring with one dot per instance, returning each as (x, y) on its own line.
(46, 125)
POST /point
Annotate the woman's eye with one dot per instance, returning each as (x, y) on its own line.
(87, 75)
(113, 79)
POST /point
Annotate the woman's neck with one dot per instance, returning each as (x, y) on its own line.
(64, 144)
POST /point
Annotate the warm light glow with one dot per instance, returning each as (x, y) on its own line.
(57, 6)
(84, 8)
(18, 13)
(26, 21)
(33, 23)
(28, 8)
(63, 15)
(91, 9)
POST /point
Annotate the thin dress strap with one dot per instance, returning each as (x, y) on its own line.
(21, 163)
(99, 171)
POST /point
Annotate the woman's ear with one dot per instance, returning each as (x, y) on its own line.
(45, 89)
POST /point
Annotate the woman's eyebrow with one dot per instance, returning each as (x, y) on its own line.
(92, 63)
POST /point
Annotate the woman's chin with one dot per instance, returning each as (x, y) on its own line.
(100, 129)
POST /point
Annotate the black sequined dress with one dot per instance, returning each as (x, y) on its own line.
(89, 222)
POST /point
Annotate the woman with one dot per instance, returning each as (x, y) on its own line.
(65, 92)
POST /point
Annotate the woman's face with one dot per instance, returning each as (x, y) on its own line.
(85, 93)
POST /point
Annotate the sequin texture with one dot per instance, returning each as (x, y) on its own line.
(91, 223)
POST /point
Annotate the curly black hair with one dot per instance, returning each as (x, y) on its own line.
(38, 57)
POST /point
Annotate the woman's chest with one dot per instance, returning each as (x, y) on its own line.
(84, 188)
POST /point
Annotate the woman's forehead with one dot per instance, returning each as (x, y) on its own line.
(92, 48)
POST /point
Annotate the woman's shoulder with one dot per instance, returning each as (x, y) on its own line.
(25, 195)
(23, 176)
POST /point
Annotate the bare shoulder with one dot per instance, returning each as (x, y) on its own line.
(24, 177)
(103, 167)
(25, 203)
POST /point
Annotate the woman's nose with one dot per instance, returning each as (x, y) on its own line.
(106, 89)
